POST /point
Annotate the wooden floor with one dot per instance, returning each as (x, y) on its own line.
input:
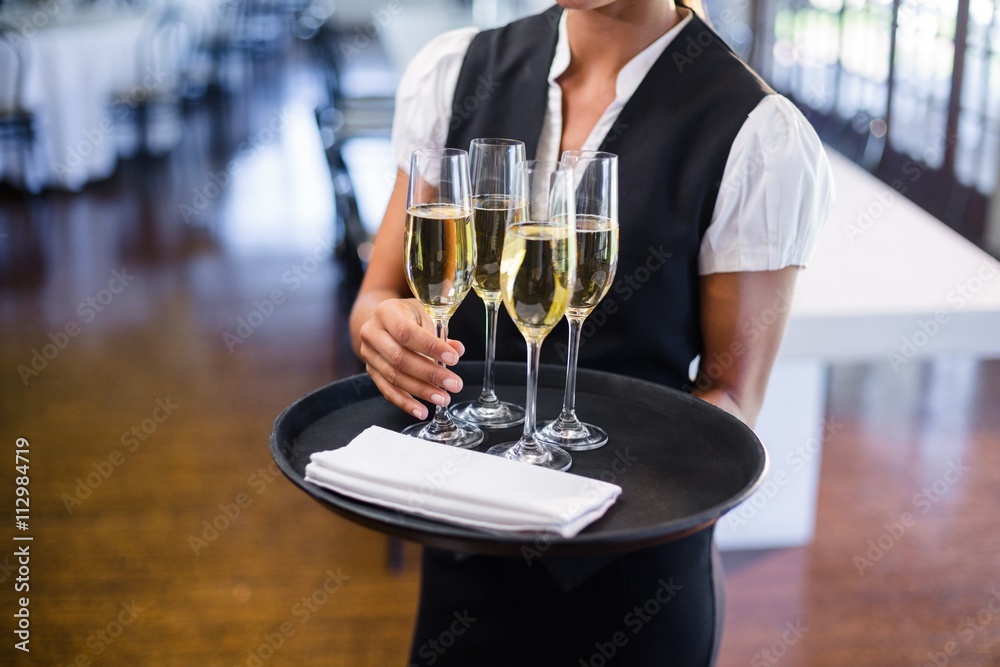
(145, 352)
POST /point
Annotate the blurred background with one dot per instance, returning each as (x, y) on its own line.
(189, 191)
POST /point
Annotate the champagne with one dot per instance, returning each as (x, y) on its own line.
(440, 252)
(536, 276)
(491, 215)
(596, 262)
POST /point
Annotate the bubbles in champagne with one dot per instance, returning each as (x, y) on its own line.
(536, 271)
(492, 214)
(596, 262)
(440, 256)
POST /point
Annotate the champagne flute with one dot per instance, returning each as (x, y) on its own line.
(497, 167)
(439, 259)
(537, 269)
(596, 185)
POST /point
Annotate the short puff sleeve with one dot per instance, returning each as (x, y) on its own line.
(425, 92)
(776, 190)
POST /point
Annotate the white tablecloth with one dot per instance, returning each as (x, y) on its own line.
(74, 71)
(77, 61)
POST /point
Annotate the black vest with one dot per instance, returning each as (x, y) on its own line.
(673, 138)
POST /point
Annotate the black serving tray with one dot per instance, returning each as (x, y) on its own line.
(681, 462)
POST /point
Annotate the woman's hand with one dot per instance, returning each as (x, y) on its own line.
(400, 351)
(394, 335)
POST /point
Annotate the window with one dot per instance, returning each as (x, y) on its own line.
(906, 88)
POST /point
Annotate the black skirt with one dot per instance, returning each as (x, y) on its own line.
(657, 607)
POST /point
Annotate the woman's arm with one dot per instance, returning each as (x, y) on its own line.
(743, 318)
(392, 334)
(776, 193)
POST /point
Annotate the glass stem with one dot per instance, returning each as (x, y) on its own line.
(528, 442)
(441, 418)
(569, 397)
(488, 397)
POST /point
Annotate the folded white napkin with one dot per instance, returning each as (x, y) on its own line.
(460, 486)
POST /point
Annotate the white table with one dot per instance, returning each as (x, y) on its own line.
(77, 61)
(889, 284)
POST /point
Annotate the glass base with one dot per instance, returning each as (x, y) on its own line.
(574, 436)
(549, 457)
(451, 433)
(502, 415)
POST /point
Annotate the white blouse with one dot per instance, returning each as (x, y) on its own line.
(776, 188)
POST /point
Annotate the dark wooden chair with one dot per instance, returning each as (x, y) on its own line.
(346, 115)
(17, 125)
(149, 116)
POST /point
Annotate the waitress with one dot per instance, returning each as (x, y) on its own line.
(723, 190)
